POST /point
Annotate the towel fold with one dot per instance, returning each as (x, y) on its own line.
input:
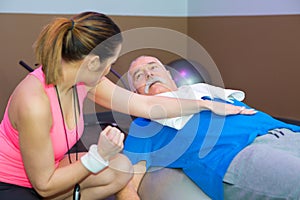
(196, 92)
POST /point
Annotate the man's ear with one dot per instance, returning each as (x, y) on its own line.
(94, 63)
(169, 73)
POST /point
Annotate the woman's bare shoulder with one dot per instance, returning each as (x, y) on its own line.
(29, 100)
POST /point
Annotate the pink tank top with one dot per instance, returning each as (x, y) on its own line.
(11, 165)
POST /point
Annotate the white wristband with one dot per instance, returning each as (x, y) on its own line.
(93, 161)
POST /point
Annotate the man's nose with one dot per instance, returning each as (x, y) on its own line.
(149, 74)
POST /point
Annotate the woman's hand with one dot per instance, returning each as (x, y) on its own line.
(110, 142)
(227, 109)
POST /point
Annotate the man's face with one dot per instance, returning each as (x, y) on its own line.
(150, 77)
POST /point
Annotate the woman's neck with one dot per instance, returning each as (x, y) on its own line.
(69, 77)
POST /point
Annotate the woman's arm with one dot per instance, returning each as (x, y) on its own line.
(33, 123)
(111, 96)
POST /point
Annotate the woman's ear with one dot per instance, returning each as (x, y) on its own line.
(94, 63)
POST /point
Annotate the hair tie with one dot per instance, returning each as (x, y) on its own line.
(73, 24)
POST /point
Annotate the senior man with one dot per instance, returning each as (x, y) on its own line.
(228, 157)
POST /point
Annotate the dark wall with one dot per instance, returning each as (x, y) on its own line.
(259, 55)
(19, 32)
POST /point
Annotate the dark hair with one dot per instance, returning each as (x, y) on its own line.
(73, 39)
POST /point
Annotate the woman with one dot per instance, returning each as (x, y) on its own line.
(44, 119)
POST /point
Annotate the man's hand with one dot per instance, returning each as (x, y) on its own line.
(110, 142)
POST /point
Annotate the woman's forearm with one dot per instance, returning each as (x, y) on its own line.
(62, 179)
(109, 95)
(157, 107)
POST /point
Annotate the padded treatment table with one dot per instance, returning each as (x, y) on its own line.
(169, 184)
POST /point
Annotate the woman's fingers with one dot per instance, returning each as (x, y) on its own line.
(229, 109)
(110, 142)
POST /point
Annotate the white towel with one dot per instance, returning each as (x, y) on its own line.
(196, 92)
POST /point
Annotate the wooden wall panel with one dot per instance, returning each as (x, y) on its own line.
(258, 54)
(19, 31)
